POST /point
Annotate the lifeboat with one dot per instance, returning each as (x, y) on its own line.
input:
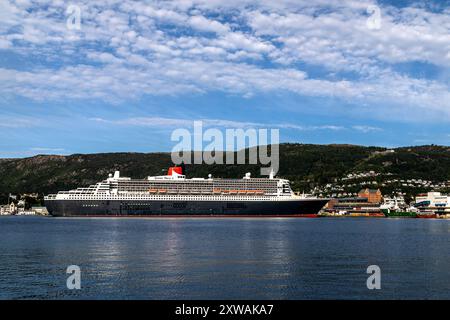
(225, 191)
(153, 190)
(242, 191)
(251, 191)
(162, 191)
(216, 191)
(259, 192)
(233, 191)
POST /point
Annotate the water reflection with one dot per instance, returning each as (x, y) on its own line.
(224, 258)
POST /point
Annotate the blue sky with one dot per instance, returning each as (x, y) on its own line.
(359, 72)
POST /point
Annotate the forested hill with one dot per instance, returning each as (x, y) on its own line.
(305, 165)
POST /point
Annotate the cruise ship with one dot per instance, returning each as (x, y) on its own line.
(175, 195)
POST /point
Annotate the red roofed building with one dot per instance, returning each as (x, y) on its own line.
(372, 195)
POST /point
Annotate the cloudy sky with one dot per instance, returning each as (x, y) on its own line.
(126, 76)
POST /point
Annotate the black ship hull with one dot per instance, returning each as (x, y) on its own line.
(295, 207)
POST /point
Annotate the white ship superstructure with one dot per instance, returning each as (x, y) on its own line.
(394, 203)
(178, 187)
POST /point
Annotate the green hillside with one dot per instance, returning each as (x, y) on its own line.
(307, 166)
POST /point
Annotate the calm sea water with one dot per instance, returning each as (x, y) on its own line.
(224, 258)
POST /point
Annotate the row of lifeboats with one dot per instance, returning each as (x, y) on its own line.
(215, 191)
(241, 192)
(157, 190)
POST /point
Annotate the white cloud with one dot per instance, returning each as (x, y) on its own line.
(17, 122)
(5, 44)
(204, 24)
(171, 123)
(127, 49)
(366, 129)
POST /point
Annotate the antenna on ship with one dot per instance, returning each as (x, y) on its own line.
(272, 174)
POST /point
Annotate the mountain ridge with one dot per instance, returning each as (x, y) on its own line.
(306, 165)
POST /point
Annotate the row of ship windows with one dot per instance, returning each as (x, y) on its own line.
(190, 182)
(194, 187)
(196, 191)
(146, 195)
(146, 191)
(170, 198)
(183, 185)
(179, 186)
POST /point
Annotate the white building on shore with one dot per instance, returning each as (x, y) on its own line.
(434, 202)
(8, 209)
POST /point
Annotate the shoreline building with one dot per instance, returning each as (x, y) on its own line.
(8, 209)
(433, 201)
(372, 195)
(368, 202)
(42, 211)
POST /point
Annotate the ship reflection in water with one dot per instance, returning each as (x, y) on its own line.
(214, 258)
